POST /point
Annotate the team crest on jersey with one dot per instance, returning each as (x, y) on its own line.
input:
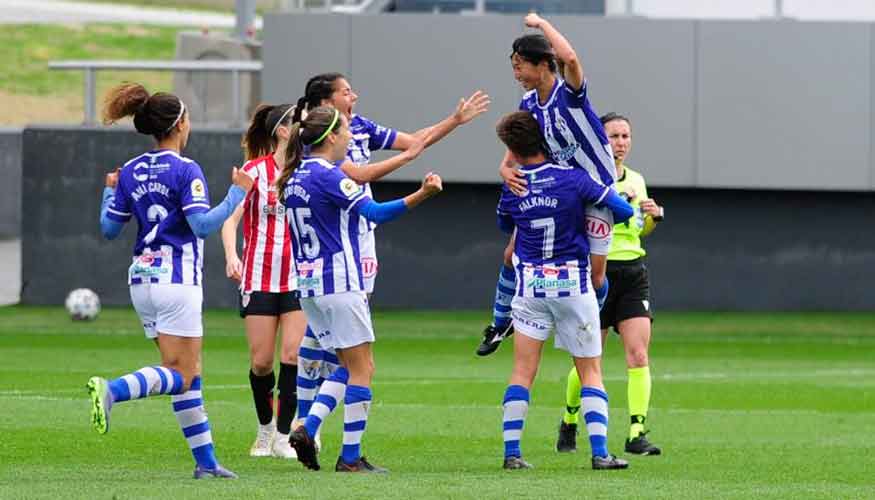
(597, 228)
(349, 187)
(198, 191)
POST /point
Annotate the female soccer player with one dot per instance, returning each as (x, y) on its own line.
(323, 206)
(553, 292)
(573, 136)
(333, 89)
(167, 194)
(628, 308)
(267, 281)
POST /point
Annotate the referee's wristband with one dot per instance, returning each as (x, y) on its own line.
(661, 216)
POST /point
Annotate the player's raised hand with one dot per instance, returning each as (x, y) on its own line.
(240, 179)
(112, 178)
(533, 20)
(472, 107)
(432, 184)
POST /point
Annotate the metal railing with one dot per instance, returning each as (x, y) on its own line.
(236, 68)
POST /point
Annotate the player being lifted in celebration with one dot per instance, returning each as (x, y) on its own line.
(553, 288)
(267, 281)
(628, 308)
(323, 208)
(333, 89)
(574, 137)
(167, 194)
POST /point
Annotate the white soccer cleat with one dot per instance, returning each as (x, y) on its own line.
(318, 440)
(281, 447)
(263, 441)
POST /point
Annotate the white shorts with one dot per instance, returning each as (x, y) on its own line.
(368, 254)
(575, 320)
(599, 229)
(339, 320)
(171, 309)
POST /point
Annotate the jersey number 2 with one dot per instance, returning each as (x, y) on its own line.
(549, 227)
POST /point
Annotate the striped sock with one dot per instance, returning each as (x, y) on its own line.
(310, 359)
(357, 402)
(148, 381)
(504, 291)
(595, 414)
(189, 411)
(330, 393)
(516, 406)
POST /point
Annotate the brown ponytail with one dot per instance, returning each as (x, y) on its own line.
(155, 114)
(303, 135)
(260, 137)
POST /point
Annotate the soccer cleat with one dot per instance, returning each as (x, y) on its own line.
(201, 472)
(101, 403)
(281, 447)
(361, 465)
(567, 441)
(641, 446)
(305, 448)
(263, 441)
(609, 462)
(515, 463)
(492, 337)
(317, 440)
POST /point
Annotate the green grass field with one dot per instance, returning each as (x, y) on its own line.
(744, 406)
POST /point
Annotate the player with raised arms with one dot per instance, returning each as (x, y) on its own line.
(333, 89)
(323, 208)
(553, 287)
(267, 281)
(167, 194)
(574, 136)
(628, 308)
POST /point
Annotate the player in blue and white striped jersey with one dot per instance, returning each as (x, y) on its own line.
(574, 136)
(323, 206)
(167, 194)
(553, 292)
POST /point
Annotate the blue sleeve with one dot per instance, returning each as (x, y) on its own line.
(505, 223)
(575, 98)
(204, 223)
(505, 219)
(381, 137)
(621, 208)
(109, 227)
(381, 212)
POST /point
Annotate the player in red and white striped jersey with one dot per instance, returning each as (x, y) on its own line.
(268, 299)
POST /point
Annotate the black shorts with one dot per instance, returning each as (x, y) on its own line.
(629, 293)
(268, 304)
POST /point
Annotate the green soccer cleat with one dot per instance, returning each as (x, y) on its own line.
(101, 403)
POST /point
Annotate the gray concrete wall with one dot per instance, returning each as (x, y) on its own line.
(10, 187)
(719, 104)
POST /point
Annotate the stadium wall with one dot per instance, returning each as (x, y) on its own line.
(718, 249)
(719, 104)
(10, 191)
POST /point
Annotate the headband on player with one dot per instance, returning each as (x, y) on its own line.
(280, 121)
(328, 130)
(179, 117)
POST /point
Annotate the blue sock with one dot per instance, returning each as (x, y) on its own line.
(516, 406)
(330, 393)
(504, 291)
(148, 381)
(310, 361)
(189, 410)
(594, 406)
(355, 419)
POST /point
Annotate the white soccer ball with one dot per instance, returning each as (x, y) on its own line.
(83, 304)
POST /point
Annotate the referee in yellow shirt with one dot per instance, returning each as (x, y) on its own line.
(627, 308)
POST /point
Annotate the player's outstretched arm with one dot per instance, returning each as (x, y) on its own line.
(511, 175)
(375, 171)
(391, 210)
(621, 208)
(204, 223)
(573, 70)
(466, 110)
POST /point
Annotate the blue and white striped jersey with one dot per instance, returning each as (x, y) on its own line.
(574, 134)
(551, 251)
(159, 189)
(367, 136)
(320, 209)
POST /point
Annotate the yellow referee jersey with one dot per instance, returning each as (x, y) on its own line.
(626, 243)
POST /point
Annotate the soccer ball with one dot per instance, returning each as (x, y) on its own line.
(82, 304)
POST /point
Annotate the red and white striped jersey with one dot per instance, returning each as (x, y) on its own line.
(267, 262)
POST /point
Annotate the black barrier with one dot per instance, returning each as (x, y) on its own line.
(716, 250)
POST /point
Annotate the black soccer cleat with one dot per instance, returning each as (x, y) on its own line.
(305, 447)
(492, 337)
(609, 462)
(361, 465)
(641, 446)
(516, 463)
(567, 441)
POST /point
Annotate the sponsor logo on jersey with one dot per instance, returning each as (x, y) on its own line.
(349, 188)
(369, 267)
(552, 283)
(142, 177)
(597, 228)
(198, 191)
(565, 154)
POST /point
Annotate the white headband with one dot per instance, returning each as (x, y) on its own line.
(280, 121)
(181, 112)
